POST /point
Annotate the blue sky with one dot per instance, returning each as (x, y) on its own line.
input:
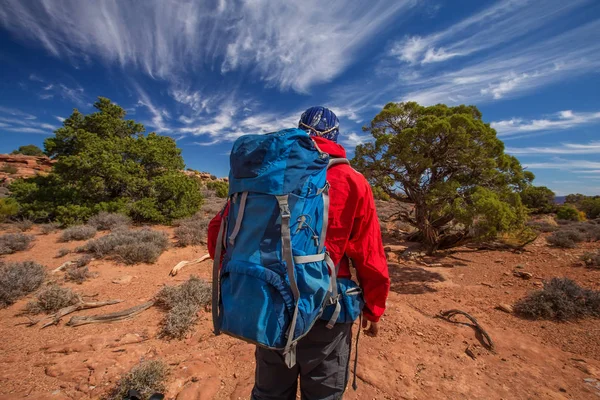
(206, 72)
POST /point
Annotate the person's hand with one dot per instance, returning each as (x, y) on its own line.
(370, 328)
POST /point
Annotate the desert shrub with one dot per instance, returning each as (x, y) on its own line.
(147, 378)
(129, 246)
(19, 279)
(105, 221)
(51, 299)
(591, 260)
(8, 208)
(182, 304)
(542, 226)
(590, 231)
(380, 194)
(105, 162)
(77, 274)
(78, 232)
(569, 213)
(561, 299)
(9, 169)
(191, 231)
(52, 227)
(591, 207)
(221, 188)
(62, 252)
(13, 242)
(566, 239)
(24, 225)
(29, 150)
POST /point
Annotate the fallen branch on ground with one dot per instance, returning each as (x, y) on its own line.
(111, 317)
(184, 263)
(447, 315)
(55, 318)
(63, 267)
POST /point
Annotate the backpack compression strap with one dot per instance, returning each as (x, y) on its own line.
(216, 295)
(286, 249)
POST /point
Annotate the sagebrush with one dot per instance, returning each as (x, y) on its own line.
(47, 229)
(13, 242)
(18, 279)
(191, 231)
(147, 378)
(105, 221)
(51, 299)
(182, 304)
(77, 274)
(591, 260)
(78, 233)
(561, 299)
(129, 246)
(566, 239)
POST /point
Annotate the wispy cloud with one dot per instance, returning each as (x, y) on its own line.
(566, 119)
(569, 165)
(61, 119)
(17, 113)
(290, 45)
(565, 148)
(14, 120)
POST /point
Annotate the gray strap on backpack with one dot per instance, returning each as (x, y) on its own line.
(332, 162)
(333, 290)
(216, 297)
(286, 249)
(238, 220)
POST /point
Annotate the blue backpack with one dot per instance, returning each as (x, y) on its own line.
(276, 279)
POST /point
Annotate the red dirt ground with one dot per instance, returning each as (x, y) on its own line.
(416, 356)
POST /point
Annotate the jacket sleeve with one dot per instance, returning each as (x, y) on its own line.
(365, 249)
(213, 230)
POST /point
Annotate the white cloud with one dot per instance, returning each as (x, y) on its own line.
(565, 148)
(569, 165)
(14, 120)
(352, 139)
(290, 45)
(502, 22)
(158, 114)
(17, 113)
(61, 119)
(560, 121)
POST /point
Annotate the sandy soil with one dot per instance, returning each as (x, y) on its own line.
(416, 355)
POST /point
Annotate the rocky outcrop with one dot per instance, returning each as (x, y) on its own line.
(204, 176)
(19, 166)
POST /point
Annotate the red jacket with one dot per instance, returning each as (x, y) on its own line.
(353, 231)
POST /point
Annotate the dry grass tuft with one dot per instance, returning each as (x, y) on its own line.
(146, 378)
(182, 304)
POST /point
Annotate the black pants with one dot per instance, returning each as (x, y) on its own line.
(322, 361)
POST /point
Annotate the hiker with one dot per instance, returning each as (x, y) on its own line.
(353, 237)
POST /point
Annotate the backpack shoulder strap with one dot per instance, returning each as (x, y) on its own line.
(337, 161)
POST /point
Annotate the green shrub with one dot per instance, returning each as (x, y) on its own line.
(380, 194)
(51, 299)
(591, 207)
(13, 242)
(566, 239)
(191, 231)
(78, 232)
(9, 169)
(569, 213)
(129, 246)
(105, 221)
(182, 304)
(146, 378)
(29, 150)
(538, 199)
(8, 209)
(221, 188)
(106, 163)
(561, 299)
(18, 280)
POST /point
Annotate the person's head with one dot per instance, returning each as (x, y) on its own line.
(320, 121)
